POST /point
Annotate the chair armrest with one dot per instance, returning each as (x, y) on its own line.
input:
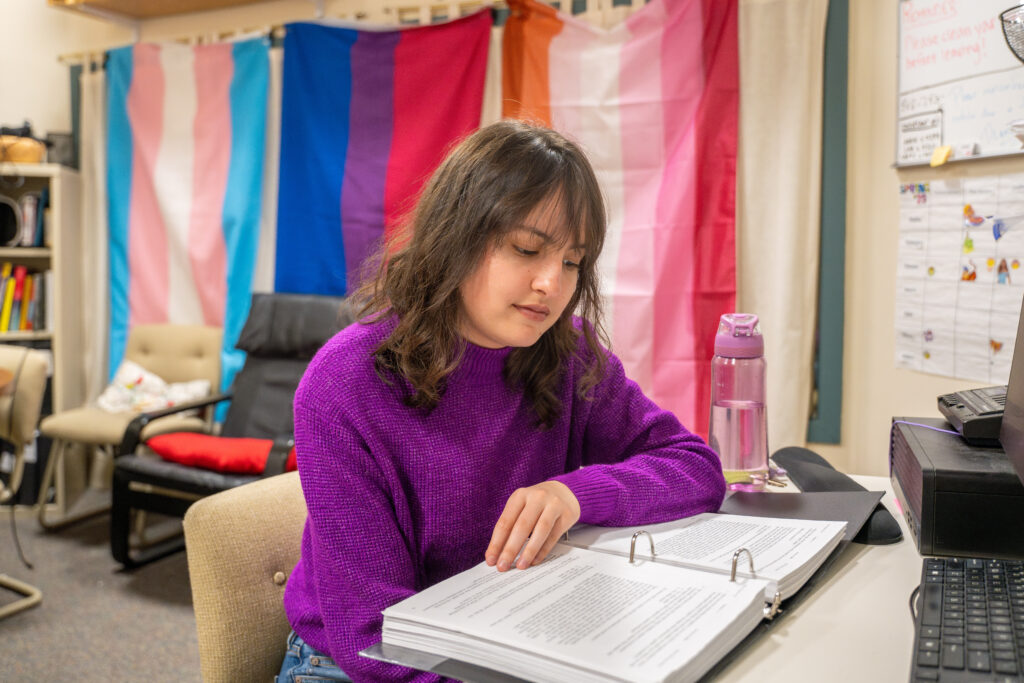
(277, 459)
(133, 433)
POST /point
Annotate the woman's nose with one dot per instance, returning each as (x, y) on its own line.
(548, 280)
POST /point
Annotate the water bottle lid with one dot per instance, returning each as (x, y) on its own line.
(739, 336)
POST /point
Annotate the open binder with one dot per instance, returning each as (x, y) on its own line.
(770, 609)
(600, 609)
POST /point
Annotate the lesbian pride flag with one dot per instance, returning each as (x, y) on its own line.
(366, 117)
(654, 102)
(184, 174)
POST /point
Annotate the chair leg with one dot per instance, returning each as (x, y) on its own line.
(56, 460)
(124, 501)
(120, 519)
(33, 596)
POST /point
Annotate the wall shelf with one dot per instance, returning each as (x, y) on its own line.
(24, 336)
(18, 253)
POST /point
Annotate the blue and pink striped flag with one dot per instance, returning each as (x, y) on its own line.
(366, 117)
(185, 165)
(654, 101)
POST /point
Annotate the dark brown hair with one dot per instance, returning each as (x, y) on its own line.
(487, 186)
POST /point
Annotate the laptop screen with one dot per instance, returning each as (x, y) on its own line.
(1011, 433)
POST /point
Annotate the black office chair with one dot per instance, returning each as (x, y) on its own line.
(280, 337)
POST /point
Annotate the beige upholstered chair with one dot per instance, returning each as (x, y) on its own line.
(242, 545)
(175, 353)
(20, 401)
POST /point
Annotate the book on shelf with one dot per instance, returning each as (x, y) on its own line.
(35, 306)
(24, 321)
(6, 281)
(14, 320)
(42, 216)
(31, 211)
(8, 300)
(663, 602)
(46, 298)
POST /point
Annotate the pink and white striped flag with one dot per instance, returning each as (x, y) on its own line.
(654, 102)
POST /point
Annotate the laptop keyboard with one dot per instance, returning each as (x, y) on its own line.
(970, 621)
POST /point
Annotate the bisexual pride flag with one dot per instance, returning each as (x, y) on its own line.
(185, 165)
(367, 115)
(654, 102)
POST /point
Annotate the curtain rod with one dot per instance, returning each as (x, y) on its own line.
(276, 30)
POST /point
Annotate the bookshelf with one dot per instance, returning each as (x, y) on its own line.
(61, 255)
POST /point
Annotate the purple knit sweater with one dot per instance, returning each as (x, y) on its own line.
(400, 499)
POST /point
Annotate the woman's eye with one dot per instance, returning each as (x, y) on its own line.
(525, 252)
(571, 264)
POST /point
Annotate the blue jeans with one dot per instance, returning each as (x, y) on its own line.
(303, 663)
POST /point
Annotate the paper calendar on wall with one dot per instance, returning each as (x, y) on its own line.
(960, 276)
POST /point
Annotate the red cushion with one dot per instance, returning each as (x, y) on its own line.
(218, 453)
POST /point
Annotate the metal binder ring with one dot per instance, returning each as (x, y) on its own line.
(632, 544)
(735, 559)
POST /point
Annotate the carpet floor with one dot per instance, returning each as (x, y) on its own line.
(96, 622)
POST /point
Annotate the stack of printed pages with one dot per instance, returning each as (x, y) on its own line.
(589, 614)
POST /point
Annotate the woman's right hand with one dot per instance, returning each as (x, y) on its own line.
(533, 520)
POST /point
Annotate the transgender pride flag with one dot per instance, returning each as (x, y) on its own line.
(367, 115)
(185, 164)
(654, 101)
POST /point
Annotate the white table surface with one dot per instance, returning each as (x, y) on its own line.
(855, 627)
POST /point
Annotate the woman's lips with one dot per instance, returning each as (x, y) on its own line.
(536, 313)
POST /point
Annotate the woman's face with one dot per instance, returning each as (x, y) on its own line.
(522, 285)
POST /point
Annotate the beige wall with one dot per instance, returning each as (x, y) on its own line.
(874, 390)
(33, 85)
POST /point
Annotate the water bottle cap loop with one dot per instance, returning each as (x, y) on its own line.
(739, 336)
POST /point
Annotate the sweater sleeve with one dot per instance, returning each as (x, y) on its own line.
(639, 464)
(355, 553)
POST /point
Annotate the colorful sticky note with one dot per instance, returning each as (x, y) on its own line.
(941, 155)
(998, 228)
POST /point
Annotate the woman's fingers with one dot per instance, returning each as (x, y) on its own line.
(548, 545)
(530, 524)
(522, 529)
(504, 526)
(542, 530)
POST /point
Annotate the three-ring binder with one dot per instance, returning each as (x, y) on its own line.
(770, 609)
(632, 544)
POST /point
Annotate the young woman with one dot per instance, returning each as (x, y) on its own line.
(471, 415)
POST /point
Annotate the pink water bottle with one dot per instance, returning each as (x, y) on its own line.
(739, 428)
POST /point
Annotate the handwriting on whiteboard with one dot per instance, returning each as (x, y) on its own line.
(959, 84)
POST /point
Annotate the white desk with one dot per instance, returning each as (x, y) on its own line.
(855, 627)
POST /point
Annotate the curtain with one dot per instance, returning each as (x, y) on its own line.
(186, 127)
(263, 275)
(654, 101)
(778, 196)
(94, 285)
(491, 110)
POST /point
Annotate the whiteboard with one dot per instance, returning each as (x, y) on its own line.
(959, 83)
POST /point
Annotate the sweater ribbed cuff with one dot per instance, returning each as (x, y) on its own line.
(596, 495)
